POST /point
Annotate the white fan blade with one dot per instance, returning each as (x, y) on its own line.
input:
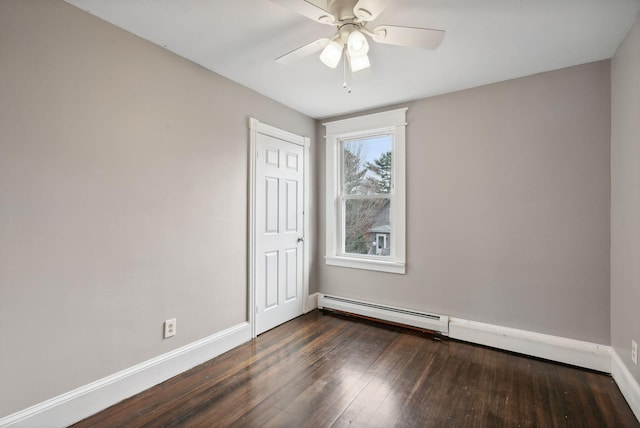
(303, 52)
(368, 10)
(408, 36)
(309, 10)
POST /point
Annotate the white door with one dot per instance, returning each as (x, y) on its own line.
(279, 228)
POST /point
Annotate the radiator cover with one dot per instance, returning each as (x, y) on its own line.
(408, 317)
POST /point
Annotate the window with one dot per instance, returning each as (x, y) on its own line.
(366, 192)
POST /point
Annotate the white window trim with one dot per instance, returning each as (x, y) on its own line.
(393, 122)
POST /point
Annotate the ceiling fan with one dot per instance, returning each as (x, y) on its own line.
(351, 17)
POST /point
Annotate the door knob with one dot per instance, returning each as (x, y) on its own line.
(300, 239)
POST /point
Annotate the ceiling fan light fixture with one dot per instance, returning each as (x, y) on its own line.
(357, 44)
(359, 63)
(331, 54)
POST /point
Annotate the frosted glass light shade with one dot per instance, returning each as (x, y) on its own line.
(357, 44)
(359, 62)
(331, 54)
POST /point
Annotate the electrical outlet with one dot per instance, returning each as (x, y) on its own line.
(634, 352)
(169, 328)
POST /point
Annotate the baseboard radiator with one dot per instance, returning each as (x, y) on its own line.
(409, 318)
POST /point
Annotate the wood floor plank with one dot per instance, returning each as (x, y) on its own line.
(336, 385)
(332, 371)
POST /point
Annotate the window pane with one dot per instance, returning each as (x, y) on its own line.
(367, 227)
(366, 165)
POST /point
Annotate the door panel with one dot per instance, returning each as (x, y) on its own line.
(271, 279)
(271, 205)
(279, 227)
(292, 206)
(292, 274)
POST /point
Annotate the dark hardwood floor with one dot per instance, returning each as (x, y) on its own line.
(332, 371)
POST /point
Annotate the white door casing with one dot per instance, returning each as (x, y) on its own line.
(278, 273)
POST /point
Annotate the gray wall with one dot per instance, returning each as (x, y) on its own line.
(123, 199)
(123, 183)
(625, 197)
(508, 207)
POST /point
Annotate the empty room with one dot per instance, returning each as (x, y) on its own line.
(319, 213)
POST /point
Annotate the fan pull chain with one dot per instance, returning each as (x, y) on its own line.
(345, 84)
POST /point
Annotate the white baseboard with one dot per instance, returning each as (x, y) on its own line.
(311, 303)
(87, 400)
(569, 351)
(628, 385)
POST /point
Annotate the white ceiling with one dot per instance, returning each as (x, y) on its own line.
(486, 41)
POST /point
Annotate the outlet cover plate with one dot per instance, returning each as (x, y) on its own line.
(634, 352)
(169, 328)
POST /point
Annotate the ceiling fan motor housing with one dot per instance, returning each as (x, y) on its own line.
(342, 9)
(345, 30)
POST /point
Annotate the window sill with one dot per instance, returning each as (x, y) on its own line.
(367, 264)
